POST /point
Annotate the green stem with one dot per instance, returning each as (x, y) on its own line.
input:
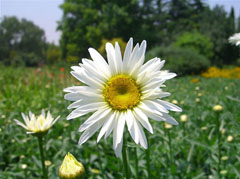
(125, 162)
(136, 162)
(40, 142)
(147, 153)
(219, 146)
(99, 159)
(170, 146)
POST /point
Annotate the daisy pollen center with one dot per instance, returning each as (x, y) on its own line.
(122, 92)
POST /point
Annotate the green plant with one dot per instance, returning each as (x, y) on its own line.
(53, 55)
(196, 42)
(181, 61)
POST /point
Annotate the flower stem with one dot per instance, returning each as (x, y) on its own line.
(125, 162)
(219, 146)
(40, 142)
(170, 146)
(136, 162)
(147, 153)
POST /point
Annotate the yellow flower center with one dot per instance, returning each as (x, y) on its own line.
(121, 92)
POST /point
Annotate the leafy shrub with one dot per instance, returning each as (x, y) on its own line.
(197, 42)
(120, 41)
(53, 55)
(21, 59)
(72, 59)
(179, 60)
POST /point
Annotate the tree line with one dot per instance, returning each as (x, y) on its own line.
(162, 23)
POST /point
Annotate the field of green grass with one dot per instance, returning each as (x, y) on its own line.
(189, 150)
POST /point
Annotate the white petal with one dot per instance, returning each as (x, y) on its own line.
(118, 130)
(142, 137)
(83, 77)
(98, 115)
(158, 94)
(100, 61)
(91, 106)
(143, 119)
(154, 84)
(118, 57)
(169, 106)
(118, 150)
(127, 53)
(75, 89)
(106, 125)
(169, 119)
(138, 59)
(133, 57)
(168, 76)
(154, 105)
(149, 109)
(111, 58)
(112, 125)
(26, 119)
(76, 113)
(21, 124)
(133, 130)
(129, 119)
(89, 67)
(154, 116)
(88, 94)
(89, 132)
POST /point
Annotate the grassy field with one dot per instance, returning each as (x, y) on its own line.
(189, 150)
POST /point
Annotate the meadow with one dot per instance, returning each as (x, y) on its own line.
(189, 150)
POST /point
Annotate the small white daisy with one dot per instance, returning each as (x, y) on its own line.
(122, 91)
(235, 39)
(40, 124)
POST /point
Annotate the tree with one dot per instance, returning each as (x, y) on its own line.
(216, 25)
(18, 37)
(86, 22)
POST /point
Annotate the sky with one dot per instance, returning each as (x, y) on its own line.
(46, 13)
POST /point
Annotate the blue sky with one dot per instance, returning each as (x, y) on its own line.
(45, 13)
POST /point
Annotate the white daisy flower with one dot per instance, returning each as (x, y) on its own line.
(37, 125)
(235, 39)
(122, 91)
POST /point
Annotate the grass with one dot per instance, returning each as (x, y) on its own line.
(189, 150)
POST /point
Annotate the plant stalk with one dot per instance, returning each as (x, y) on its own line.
(40, 142)
(125, 160)
(219, 146)
(136, 163)
(147, 153)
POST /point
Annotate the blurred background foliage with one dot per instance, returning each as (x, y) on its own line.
(187, 33)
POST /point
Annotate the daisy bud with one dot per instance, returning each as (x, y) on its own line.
(203, 128)
(217, 108)
(183, 118)
(168, 126)
(230, 138)
(223, 131)
(174, 101)
(224, 158)
(197, 100)
(24, 166)
(48, 163)
(223, 172)
(96, 171)
(71, 168)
